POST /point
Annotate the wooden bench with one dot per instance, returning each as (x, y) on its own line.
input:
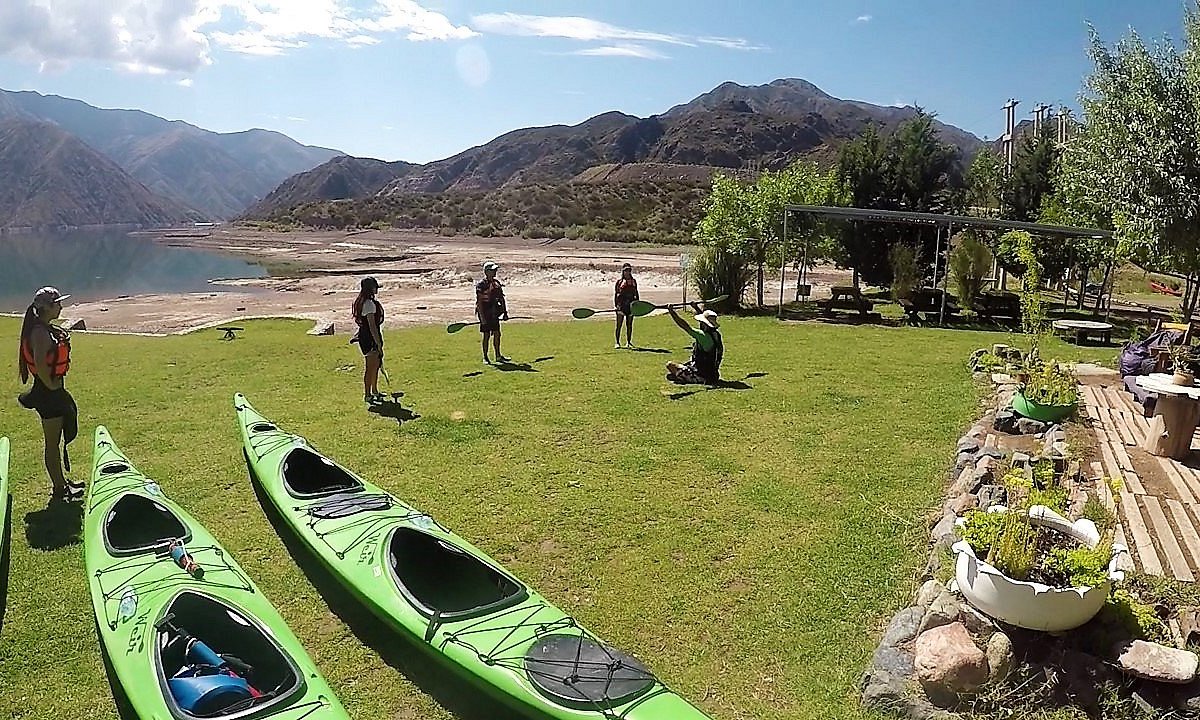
(845, 297)
(929, 301)
(997, 305)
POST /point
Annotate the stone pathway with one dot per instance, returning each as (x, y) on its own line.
(1158, 519)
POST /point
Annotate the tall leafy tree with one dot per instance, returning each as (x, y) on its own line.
(1138, 155)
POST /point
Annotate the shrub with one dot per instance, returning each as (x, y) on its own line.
(716, 271)
(905, 274)
(970, 263)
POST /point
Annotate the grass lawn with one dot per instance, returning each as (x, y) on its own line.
(746, 544)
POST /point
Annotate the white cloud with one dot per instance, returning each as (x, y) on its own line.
(159, 36)
(296, 119)
(634, 51)
(863, 19)
(186, 82)
(589, 30)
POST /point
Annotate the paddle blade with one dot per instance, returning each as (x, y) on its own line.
(581, 313)
(640, 308)
(717, 299)
(455, 327)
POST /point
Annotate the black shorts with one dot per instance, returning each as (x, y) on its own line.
(48, 403)
(366, 342)
(489, 323)
(625, 307)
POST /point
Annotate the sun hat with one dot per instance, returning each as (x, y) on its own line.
(48, 296)
(709, 318)
(489, 265)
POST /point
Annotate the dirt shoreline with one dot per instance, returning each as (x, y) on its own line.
(425, 278)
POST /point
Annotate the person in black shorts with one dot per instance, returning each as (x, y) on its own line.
(45, 356)
(708, 349)
(624, 295)
(368, 314)
(490, 308)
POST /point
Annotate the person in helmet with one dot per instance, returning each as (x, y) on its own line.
(45, 356)
(368, 315)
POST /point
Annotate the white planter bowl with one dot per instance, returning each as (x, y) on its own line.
(1033, 605)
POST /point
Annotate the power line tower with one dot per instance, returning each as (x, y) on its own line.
(1039, 114)
(1010, 121)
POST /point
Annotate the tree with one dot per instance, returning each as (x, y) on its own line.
(985, 180)
(911, 170)
(747, 220)
(1139, 149)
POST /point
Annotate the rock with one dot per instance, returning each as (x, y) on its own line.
(1055, 432)
(1001, 379)
(995, 453)
(962, 503)
(942, 611)
(999, 657)
(979, 625)
(977, 431)
(963, 460)
(1058, 450)
(964, 483)
(1005, 421)
(1187, 698)
(968, 445)
(990, 495)
(928, 593)
(76, 324)
(944, 527)
(1028, 426)
(894, 662)
(903, 627)
(1152, 661)
(1020, 458)
(947, 661)
(322, 328)
(979, 480)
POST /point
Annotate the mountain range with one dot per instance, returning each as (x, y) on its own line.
(211, 175)
(163, 171)
(731, 127)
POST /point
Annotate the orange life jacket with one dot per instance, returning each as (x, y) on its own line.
(58, 357)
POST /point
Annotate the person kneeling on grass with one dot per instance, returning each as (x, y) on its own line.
(707, 351)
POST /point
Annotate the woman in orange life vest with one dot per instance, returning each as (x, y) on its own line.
(368, 314)
(624, 295)
(45, 354)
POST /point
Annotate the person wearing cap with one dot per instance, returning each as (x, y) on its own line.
(624, 295)
(45, 355)
(368, 315)
(707, 350)
(490, 308)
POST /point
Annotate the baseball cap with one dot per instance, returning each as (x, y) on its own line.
(48, 296)
(489, 265)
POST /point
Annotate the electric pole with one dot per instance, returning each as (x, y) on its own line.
(1007, 138)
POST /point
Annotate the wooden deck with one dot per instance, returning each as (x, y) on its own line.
(1159, 527)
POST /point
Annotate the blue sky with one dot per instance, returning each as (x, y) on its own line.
(420, 80)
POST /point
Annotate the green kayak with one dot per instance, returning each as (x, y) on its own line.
(445, 594)
(186, 632)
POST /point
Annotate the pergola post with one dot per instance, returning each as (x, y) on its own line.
(783, 264)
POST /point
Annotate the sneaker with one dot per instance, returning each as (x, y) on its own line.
(71, 492)
(501, 358)
(378, 398)
(487, 360)
(617, 346)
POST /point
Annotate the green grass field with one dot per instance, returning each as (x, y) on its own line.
(746, 544)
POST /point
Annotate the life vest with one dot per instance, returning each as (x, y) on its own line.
(58, 357)
(490, 294)
(708, 362)
(626, 289)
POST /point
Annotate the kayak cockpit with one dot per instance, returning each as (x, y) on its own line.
(138, 524)
(439, 578)
(309, 475)
(215, 662)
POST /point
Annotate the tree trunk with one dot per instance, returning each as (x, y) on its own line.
(761, 274)
(1083, 281)
(855, 277)
(1103, 284)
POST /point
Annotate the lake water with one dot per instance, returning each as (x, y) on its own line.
(97, 264)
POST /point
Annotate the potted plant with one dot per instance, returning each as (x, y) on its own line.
(1035, 569)
(1049, 393)
(1183, 364)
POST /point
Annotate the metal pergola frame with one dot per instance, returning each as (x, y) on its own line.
(935, 220)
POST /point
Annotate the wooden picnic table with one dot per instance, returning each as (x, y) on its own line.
(1176, 415)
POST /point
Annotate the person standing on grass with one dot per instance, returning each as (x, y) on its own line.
(45, 355)
(707, 350)
(368, 315)
(624, 295)
(490, 308)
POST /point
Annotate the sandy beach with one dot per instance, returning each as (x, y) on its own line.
(425, 279)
